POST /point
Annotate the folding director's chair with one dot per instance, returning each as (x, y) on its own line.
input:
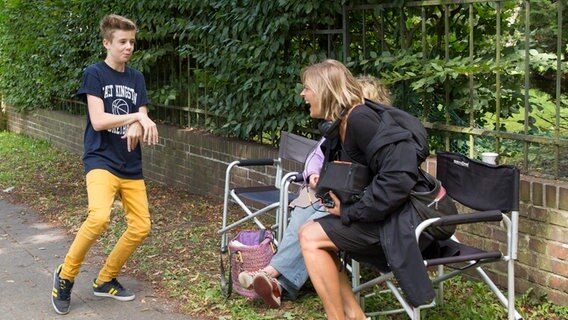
(255, 201)
(492, 191)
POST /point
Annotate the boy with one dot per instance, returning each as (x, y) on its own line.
(117, 122)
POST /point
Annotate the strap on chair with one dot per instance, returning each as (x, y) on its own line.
(224, 278)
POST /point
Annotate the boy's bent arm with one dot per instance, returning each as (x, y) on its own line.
(104, 121)
(135, 132)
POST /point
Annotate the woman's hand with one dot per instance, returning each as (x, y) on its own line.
(313, 181)
(336, 210)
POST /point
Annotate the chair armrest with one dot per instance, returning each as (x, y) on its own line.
(466, 218)
(255, 162)
(298, 177)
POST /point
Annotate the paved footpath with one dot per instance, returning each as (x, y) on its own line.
(30, 250)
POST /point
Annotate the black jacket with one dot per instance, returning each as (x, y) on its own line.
(374, 137)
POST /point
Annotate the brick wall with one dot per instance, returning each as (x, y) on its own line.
(197, 161)
(184, 158)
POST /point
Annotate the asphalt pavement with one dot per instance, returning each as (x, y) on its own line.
(30, 250)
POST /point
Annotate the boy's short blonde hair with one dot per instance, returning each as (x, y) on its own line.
(374, 90)
(113, 22)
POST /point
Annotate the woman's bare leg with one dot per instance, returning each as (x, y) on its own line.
(320, 258)
(351, 306)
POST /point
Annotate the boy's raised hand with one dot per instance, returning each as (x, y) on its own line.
(150, 130)
(133, 135)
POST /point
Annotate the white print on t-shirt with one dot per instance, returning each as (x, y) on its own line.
(108, 91)
(120, 91)
(120, 106)
(125, 92)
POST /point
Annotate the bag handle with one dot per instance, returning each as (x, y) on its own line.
(262, 236)
(438, 197)
(224, 278)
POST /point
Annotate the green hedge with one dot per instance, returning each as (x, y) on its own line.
(249, 67)
(250, 54)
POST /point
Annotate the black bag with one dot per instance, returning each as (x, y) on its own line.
(434, 203)
(347, 180)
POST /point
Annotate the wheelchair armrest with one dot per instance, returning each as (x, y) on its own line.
(255, 162)
(466, 218)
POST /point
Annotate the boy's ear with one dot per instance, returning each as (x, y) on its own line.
(106, 43)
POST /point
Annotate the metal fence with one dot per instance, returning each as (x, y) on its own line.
(364, 28)
(363, 33)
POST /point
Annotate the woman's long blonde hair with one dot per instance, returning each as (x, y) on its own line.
(335, 87)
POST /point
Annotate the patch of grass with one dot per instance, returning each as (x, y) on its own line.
(181, 255)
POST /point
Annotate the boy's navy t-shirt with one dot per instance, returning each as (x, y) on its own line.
(122, 93)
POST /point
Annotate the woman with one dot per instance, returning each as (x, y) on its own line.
(286, 273)
(379, 228)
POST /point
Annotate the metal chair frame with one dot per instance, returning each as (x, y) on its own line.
(270, 197)
(473, 260)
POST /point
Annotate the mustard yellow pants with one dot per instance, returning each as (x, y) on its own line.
(102, 187)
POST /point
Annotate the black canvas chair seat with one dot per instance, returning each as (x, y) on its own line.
(262, 195)
(452, 252)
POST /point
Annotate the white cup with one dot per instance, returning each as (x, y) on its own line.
(489, 157)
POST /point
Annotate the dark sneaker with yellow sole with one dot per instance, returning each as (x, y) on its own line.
(61, 293)
(112, 289)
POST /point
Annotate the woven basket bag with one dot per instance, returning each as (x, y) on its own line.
(250, 250)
